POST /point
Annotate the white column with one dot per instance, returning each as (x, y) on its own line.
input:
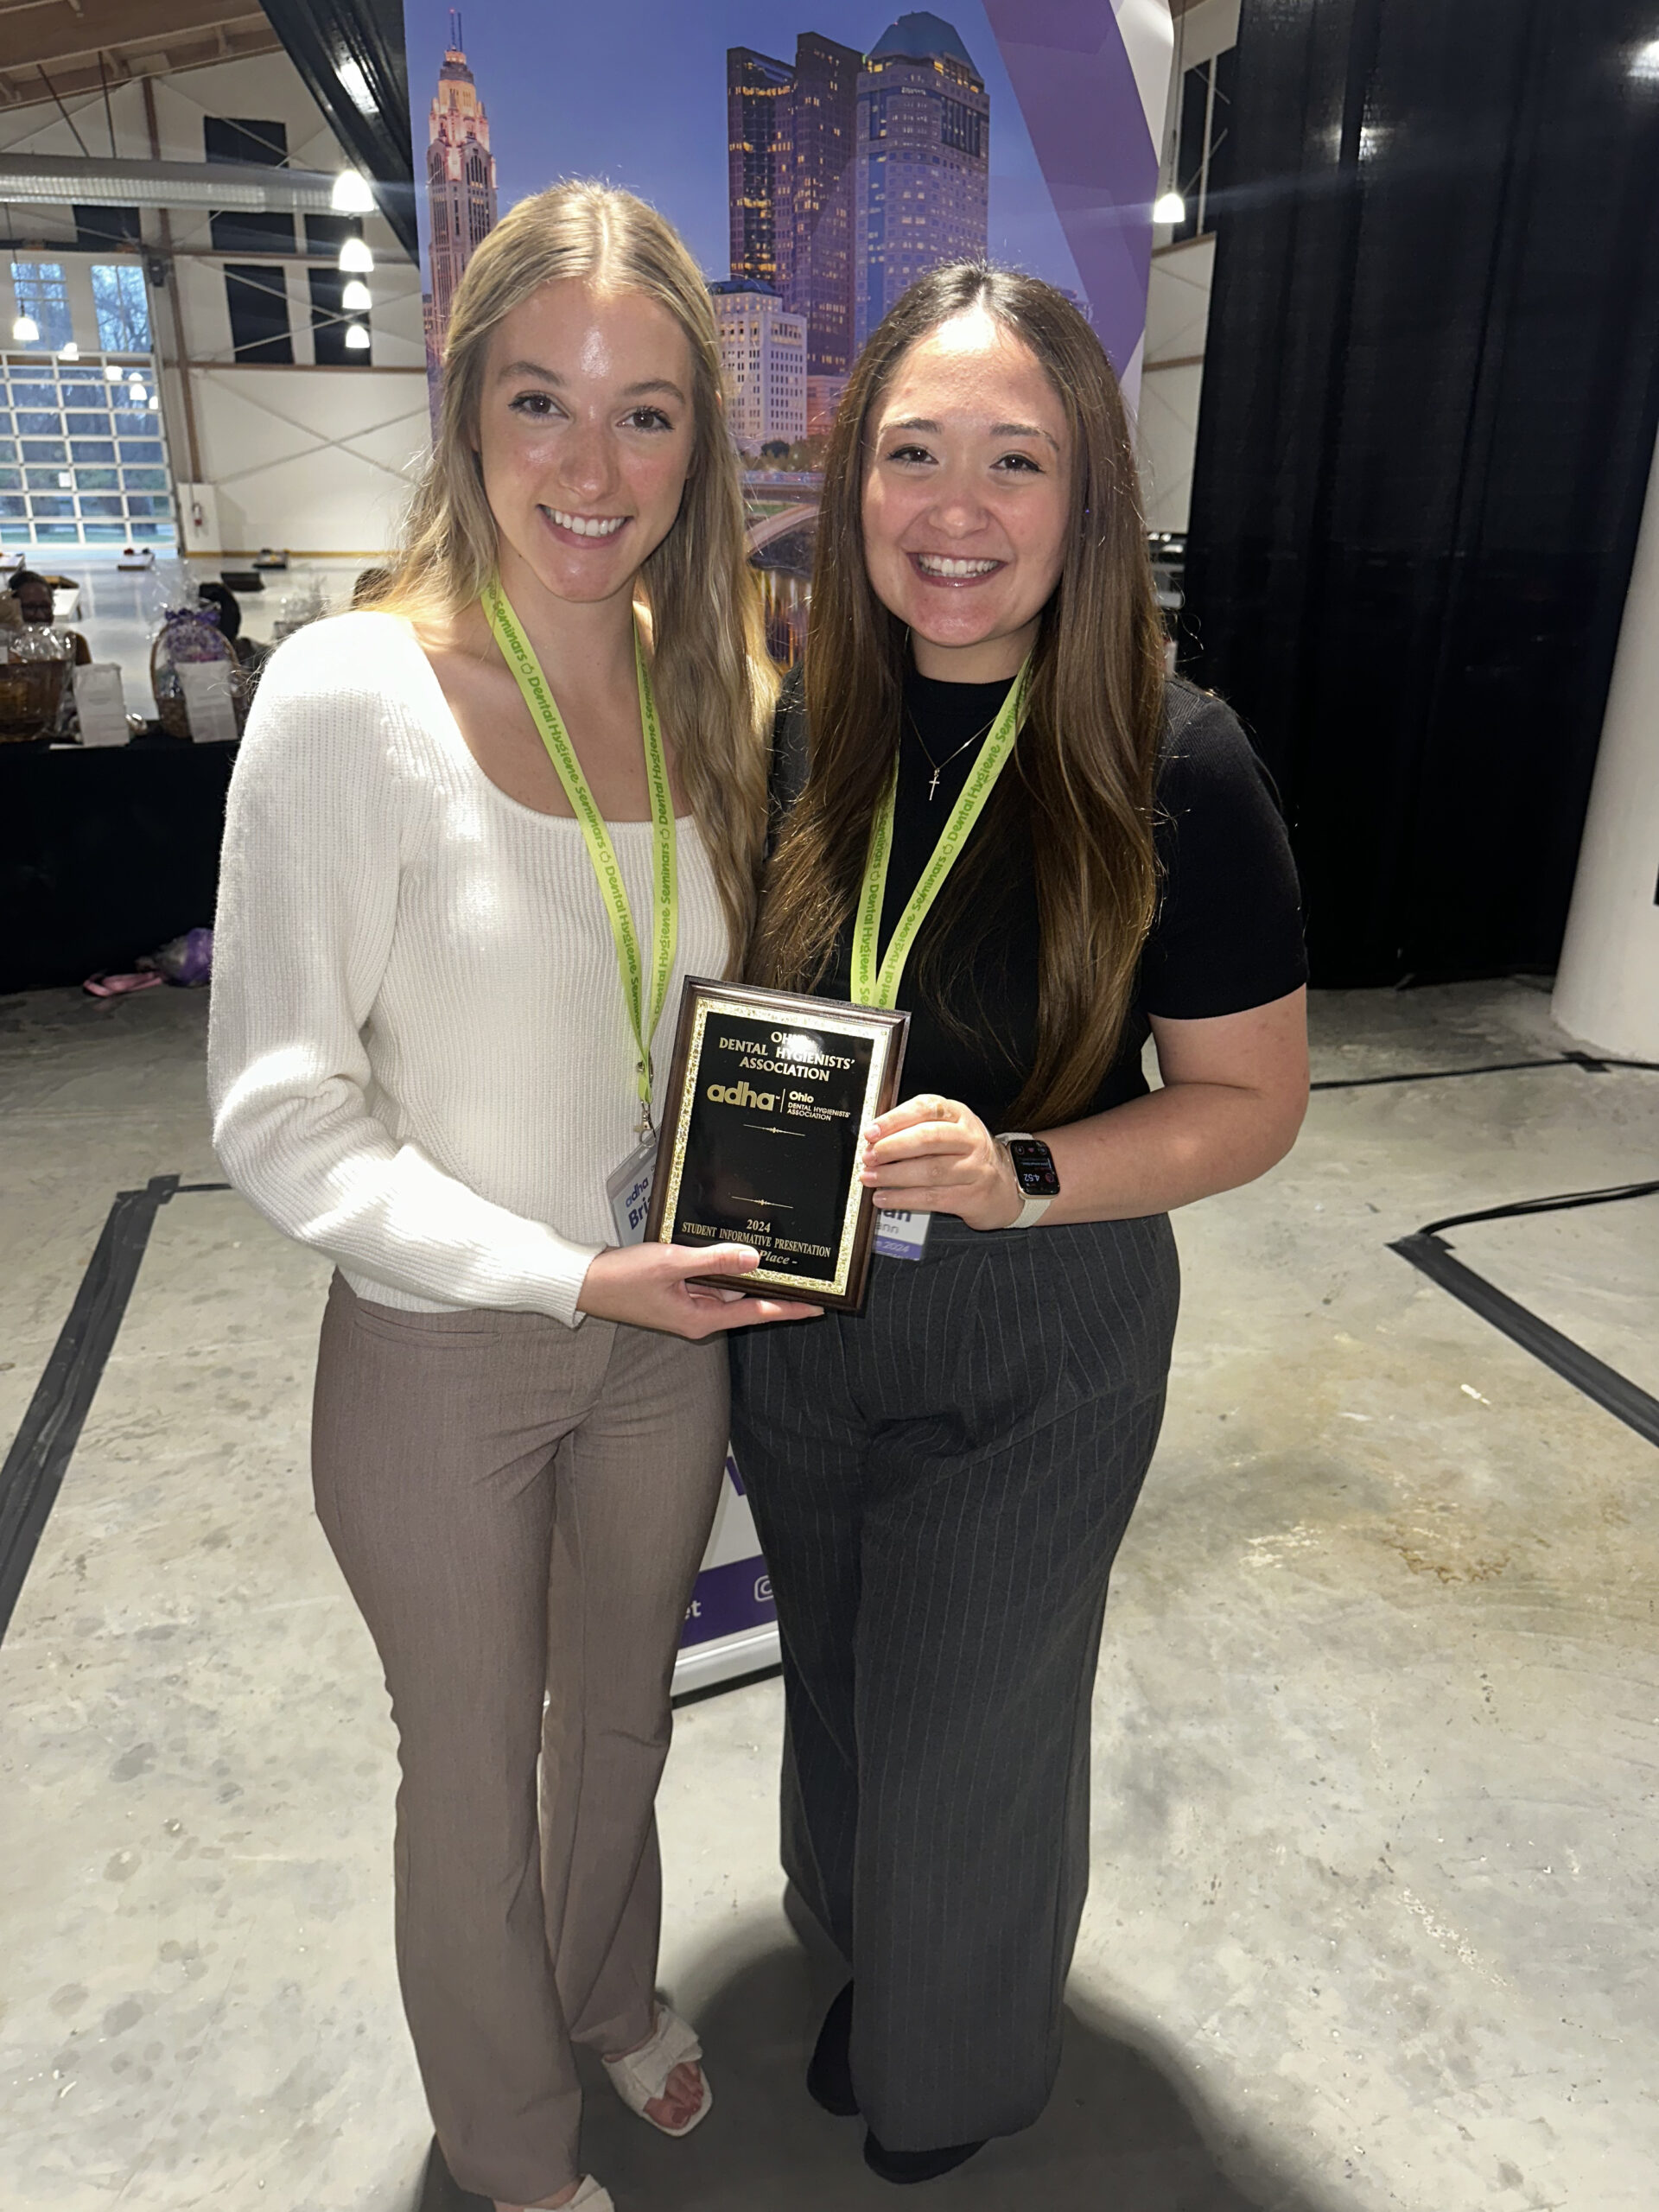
(1607, 988)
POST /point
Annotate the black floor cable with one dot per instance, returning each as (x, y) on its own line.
(1428, 1251)
(43, 1446)
(1592, 1063)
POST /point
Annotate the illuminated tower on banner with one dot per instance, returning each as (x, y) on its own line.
(758, 134)
(921, 166)
(459, 183)
(789, 146)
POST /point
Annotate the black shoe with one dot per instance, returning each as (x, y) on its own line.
(916, 2166)
(829, 2076)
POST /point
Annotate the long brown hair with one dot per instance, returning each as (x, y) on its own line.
(714, 683)
(1083, 773)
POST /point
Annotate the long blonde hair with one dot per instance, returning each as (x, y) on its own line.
(1082, 776)
(714, 683)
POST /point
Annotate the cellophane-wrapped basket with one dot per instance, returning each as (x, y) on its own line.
(192, 634)
(33, 674)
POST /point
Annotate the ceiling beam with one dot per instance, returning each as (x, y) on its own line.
(132, 38)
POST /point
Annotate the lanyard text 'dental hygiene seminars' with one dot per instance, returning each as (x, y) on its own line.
(644, 1005)
(879, 986)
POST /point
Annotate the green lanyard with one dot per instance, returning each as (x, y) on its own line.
(879, 987)
(643, 1014)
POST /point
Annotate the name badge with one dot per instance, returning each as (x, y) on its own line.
(628, 1189)
(901, 1236)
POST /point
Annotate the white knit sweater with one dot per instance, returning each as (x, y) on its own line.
(418, 1058)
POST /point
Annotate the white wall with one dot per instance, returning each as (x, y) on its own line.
(1178, 313)
(1607, 988)
(316, 458)
(1203, 30)
(1178, 305)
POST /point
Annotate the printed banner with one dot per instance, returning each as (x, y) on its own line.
(734, 1592)
(816, 160)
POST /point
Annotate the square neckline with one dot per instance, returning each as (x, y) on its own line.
(454, 740)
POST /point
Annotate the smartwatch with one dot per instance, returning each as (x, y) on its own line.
(1034, 1172)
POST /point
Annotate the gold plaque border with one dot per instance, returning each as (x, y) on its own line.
(836, 1024)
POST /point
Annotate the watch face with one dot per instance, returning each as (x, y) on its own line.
(1033, 1167)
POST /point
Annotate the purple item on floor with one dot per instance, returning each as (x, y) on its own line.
(188, 959)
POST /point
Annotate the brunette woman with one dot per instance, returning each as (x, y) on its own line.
(476, 838)
(941, 1483)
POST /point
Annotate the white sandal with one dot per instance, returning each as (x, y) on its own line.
(641, 2076)
(590, 2197)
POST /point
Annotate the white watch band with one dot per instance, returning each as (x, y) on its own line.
(1034, 1209)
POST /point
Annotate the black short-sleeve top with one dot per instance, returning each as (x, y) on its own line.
(1227, 935)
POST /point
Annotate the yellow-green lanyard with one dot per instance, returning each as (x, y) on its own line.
(643, 1012)
(874, 986)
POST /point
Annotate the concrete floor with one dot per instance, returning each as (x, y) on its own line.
(1373, 1918)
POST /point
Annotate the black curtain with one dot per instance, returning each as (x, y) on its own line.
(1430, 396)
(351, 54)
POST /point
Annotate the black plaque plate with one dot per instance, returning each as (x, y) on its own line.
(759, 1141)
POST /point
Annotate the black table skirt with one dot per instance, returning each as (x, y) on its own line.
(105, 852)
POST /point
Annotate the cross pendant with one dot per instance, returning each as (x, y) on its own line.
(933, 787)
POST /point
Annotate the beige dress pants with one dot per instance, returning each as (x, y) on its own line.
(520, 1510)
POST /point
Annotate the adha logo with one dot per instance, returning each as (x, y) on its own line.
(740, 1094)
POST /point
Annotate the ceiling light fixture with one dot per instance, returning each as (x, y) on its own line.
(26, 331)
(1169, 207)
(355, 297)
(137, 394)
(352, 196)
(155, 403)
(357, 337)
(69, 353)
(113, 372)
(355, 258)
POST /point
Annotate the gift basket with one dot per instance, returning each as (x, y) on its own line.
(190, 637)
(33, 675)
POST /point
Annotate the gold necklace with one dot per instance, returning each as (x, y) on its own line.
(939, 766)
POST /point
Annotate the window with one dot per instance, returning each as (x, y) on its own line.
(257, 297)
(62, 481)
(42, 293)
(329, 321)
(107, 230)
(962, 127)
(242, 138)
(122, 306)
(325, 234)
(237, 138)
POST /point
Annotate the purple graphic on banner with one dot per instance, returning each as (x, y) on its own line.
(770, 134)
(1084, 108)
(734, 1592)
(816, 161)
(728, 1599)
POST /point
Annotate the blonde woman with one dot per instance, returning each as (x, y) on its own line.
(477, 835)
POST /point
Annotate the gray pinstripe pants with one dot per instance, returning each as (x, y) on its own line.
(941, 1485)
